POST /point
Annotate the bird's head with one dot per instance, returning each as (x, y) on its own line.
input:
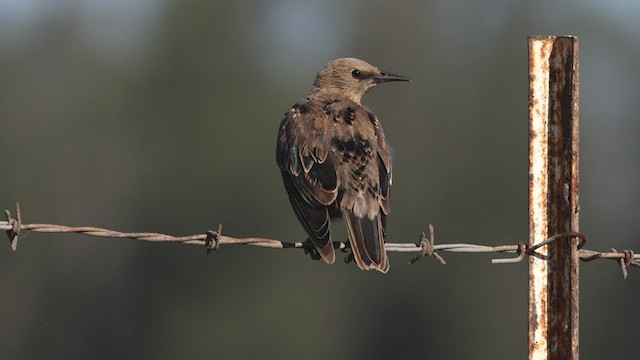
(351, 77)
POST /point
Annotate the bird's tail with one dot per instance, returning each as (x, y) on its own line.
(367, 241)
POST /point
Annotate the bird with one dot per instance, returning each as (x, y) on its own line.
(335, 161)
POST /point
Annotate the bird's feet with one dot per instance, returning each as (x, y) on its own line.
(349, 258)
(310, 250)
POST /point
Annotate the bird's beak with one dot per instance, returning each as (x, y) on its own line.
(387, 76)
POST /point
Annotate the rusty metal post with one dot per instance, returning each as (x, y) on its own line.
(553, 196)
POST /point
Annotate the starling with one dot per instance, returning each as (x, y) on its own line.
(335, 161)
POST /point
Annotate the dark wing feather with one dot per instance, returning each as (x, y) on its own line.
(309, 178)
(384, 165)
(314, 219)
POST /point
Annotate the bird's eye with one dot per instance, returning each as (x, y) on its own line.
(356, 74)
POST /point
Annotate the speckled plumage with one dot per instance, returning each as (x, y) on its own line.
(335, 161)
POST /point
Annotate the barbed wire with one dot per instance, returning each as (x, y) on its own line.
(424, 247)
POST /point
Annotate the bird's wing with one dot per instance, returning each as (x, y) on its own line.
(384, 165)
(309, 175)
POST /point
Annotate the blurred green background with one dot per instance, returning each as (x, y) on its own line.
(162, 116)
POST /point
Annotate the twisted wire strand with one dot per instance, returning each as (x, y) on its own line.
(425, 246)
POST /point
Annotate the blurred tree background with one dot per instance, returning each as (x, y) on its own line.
(162, 116)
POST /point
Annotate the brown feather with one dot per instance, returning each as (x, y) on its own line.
(367, 242)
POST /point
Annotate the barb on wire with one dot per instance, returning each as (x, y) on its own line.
(426, 246)
(14, 226)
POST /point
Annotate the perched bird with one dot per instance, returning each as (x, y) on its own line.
(335, 161)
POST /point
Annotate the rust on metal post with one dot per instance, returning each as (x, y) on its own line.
(553, 197)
